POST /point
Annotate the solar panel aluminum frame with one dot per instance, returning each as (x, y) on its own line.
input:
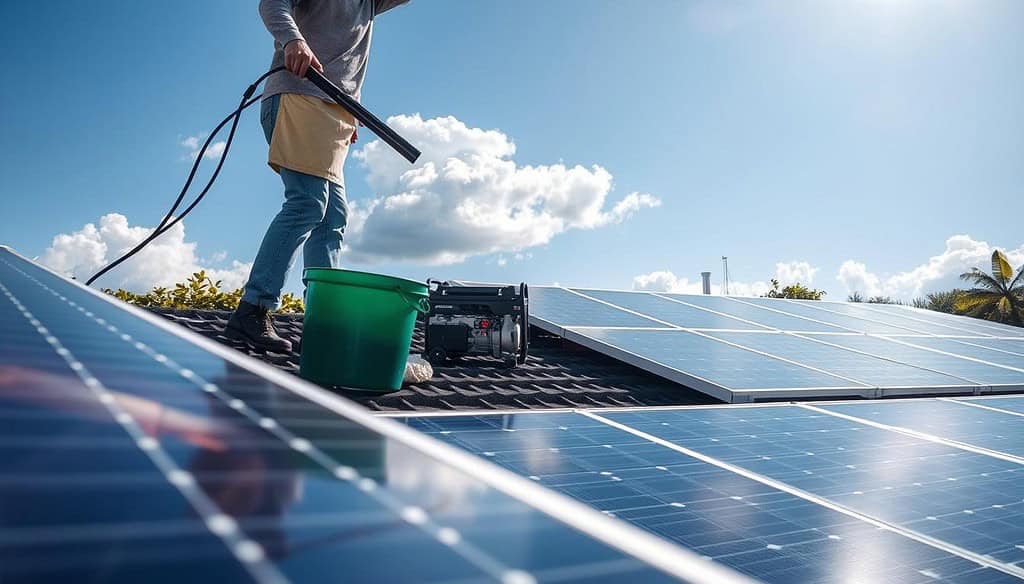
(616, 534)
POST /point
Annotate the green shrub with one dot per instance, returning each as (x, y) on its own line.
(198, 292)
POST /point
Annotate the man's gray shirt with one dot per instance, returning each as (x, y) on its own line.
(338, 32)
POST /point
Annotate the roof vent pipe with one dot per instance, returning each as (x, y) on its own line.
(706, 277)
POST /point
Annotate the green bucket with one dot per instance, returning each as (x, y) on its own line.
(358, 328)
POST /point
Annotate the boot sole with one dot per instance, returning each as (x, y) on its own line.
(240, 335)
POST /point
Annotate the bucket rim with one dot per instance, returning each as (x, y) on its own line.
(385, 282)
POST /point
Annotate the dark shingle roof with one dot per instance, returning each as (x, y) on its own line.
(558, 374)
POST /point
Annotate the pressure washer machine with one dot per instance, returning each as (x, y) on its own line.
(477, 319)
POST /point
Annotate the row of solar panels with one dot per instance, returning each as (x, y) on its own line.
(132, 450)
(749, 349)
(916, 491)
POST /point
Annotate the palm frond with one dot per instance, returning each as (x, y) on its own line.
(1001, 268)
(982, 280)
(1017, 281)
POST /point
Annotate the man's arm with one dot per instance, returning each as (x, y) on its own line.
(385, 5)
(277, 17)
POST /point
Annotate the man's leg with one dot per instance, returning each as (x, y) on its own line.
(304, 209)
(323, 248)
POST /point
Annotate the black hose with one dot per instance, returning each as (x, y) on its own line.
(167, 223)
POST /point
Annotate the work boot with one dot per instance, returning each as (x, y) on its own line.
(253, 324)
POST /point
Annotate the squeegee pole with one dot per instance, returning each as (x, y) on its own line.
(391, 137)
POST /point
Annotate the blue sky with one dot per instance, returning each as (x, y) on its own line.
(853, 138)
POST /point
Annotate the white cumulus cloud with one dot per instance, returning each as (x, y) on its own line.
(168, 259)
(939, 272)
(467, 196)
(194, 143)
(785, 272)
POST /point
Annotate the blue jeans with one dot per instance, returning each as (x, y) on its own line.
(312, 217)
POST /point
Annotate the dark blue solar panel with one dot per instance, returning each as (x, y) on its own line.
(965, 348)
(870, 370)
(946, 419)
(721, 363)
(769, 534)
(918, 357)
(967, 499)
(563, 308)
(669, 311)
(128, 454)
(849, 322)
(757, 314)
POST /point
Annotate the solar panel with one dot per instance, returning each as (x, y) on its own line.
(1011, 404)
(851, 323)
(981, 427)
(671, 311)
(564, 309)
(875, 371)
(860, 310)
(871, 354)
(132, 450)
(974, 371)
(973, 325)
(775, 533)
(1015, 346)
(768, 318)
(963, 347)
(713, 366)
(968, 500)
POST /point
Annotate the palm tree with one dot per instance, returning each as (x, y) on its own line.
(940, 301)
(998, 297)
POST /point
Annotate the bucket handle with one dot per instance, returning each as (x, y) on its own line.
(417, 303)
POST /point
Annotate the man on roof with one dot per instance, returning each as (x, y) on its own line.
(309, 137)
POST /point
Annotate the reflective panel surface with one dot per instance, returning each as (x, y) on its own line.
(767, 533)
(964, 323)
(860, 310)
(965, 369)
(970, 500)
(670, 311)
(946, 419)
(966, 348)
(721, 363)
(128, 454)
(848, 322)
(863, 368)
(757, 314)
(563, 308)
